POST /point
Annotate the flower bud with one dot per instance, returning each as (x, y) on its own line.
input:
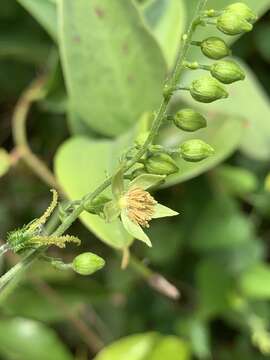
(206, 90)
(227, 72)
(195, 150)
(161, 164)
(87, 263)
(232, 24)
(215, 48)
(189, 120)
(243, 11)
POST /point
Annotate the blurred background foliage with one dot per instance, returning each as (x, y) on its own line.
(100, 74)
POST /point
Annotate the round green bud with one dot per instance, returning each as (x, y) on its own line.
(243, 11)
(87, 263)
(161, 164)
(207, 89)
(195, 150)
(189, 120)
(227, 72)
(232, 24)
(215, 48)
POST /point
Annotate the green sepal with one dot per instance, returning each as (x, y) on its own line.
(145, 181)
(111, 210)
(134, 229)
(118, 183)
(163, 211)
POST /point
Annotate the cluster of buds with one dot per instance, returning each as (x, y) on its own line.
(235, 19)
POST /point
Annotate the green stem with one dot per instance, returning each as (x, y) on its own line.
(169, 89)
(196, 43)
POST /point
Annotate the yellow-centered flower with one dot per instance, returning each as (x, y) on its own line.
(135, 205)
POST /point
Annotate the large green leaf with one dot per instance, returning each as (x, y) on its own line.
(223, 133)
(45, 13)
(167, 21)
(149, 346)
(214, 287)
(81, 165)
(24, 339)
(113, 67)
(220, 226)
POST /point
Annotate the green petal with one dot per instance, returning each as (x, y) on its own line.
(133, 229)
(111, 211)
(118, 183)
(146, 181)
(163, 211)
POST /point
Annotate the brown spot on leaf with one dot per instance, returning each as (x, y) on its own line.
(125, 48)
(246, 124)
(130, 79)
(99, 12)
(76, 38)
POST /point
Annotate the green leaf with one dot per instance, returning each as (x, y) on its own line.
(172, 348)
(134, 229)
(145, 181)
(220, 226)
(235, 180)
(5, 162)
(135, 347)
(166, 19)
(214, 287)
(81, 165)
(223, 133)
(150, 346)
(109, 58)
(25, 339)
(262, 35)
(45, 13)
(163, 211)
(255, 283)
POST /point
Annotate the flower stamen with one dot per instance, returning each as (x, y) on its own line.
(140, 206)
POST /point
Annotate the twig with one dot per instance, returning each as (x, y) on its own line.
(91, 339)
(155, 280)
(22, 149)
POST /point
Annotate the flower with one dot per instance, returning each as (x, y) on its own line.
(135, 205)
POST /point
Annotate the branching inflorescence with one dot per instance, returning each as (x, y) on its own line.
(146, 164)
